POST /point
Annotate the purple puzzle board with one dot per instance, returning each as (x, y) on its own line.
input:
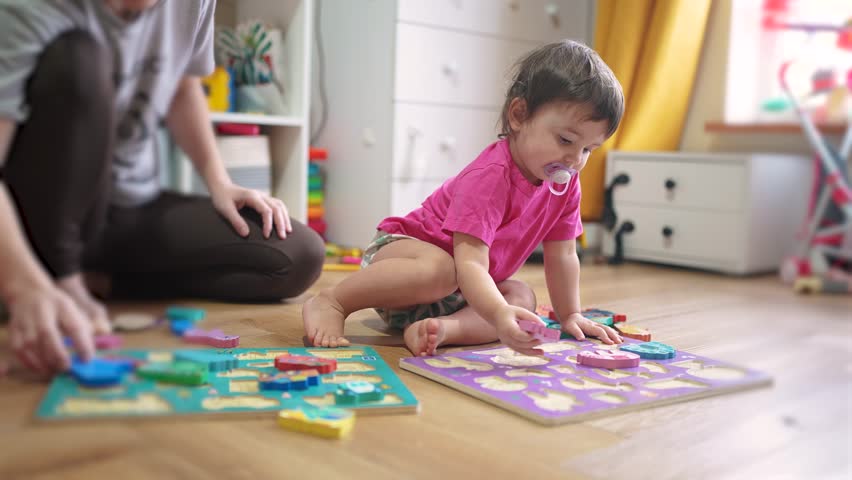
(554, 389)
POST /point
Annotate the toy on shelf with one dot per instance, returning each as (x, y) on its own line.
(247, 51)
(342, 259)
(316, 195)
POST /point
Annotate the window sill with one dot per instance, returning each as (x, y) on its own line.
(768, 128)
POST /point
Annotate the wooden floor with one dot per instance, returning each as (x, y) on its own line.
(798, 428)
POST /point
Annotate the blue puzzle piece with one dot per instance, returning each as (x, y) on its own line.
(290, 380)
(99, 372)
(184, 313)
(651, 350)
(179, 327)
(215, 362)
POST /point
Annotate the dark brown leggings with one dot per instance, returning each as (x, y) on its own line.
(58, 172)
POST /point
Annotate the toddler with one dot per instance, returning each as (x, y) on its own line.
(442, 272)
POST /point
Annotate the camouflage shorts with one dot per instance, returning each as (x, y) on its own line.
(403, 318)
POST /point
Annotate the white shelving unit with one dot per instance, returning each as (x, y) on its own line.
(288, 134)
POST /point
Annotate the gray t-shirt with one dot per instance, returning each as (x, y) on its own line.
(151, 53)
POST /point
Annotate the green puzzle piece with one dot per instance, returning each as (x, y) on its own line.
(651, 350)
(602, 320)
(181, 373)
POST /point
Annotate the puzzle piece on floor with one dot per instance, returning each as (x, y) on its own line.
(539, 330)
(213, 338)
(213, 362)
(610, 359)
(184, 313)
(304, 362)
(289, 380)
(601, 320)
(634, 332)
(650, 350)
(180, 327)
(99, 372)
(179, 373)
(133, 321)
(357, 392)
(328, 422)
(546, 311)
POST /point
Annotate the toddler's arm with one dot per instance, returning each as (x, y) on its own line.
(480, 291)
(562, 273)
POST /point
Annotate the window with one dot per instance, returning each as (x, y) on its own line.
(814, 35)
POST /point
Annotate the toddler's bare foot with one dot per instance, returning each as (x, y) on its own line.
(323, 318)
(424, 336)
(75, 288)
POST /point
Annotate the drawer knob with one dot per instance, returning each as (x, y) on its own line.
(668, 232)
(670, 184)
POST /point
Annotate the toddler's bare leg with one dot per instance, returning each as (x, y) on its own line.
(464, 327)
(403, 273)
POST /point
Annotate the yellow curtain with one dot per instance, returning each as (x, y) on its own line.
(653, 47)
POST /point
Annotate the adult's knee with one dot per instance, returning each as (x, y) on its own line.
(74, 70)
(305, 254)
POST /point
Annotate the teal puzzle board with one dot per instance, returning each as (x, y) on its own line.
(230, 392)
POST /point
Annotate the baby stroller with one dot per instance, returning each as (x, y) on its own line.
(823, 259)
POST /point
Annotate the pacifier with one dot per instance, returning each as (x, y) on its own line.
(558, 174)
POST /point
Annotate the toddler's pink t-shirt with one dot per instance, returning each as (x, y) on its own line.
(492, 200)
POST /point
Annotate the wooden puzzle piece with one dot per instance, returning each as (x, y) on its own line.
(193, 315)
(178, 373)
(610, 359)
(651, 350)
(355, 393)
(213, 338)
(179, 327)
(304, 362)
(539, 330)
(602, 320)
(327, 422)
(634, 332)
(99, 372)
(214, 362)
(546, 311)
(289, 380)
(133, 321)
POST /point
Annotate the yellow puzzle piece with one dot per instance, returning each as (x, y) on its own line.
(328, 422)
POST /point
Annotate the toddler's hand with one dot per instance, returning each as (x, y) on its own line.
(511, 334)
(579, 326)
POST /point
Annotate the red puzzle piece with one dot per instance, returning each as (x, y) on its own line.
(304, 362)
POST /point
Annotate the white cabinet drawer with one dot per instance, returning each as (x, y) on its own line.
(450, 68)
(708, 235)
(406, 195)
(436, 142)
(534, 20)
(699, 185)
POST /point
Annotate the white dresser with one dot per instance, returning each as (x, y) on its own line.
(734, 213)
(414, 90)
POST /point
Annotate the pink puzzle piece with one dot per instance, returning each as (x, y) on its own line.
(213, 338)
(608, 359)
(539, 330)
(107, 342)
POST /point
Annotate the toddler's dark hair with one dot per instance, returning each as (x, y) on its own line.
(565, 71)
